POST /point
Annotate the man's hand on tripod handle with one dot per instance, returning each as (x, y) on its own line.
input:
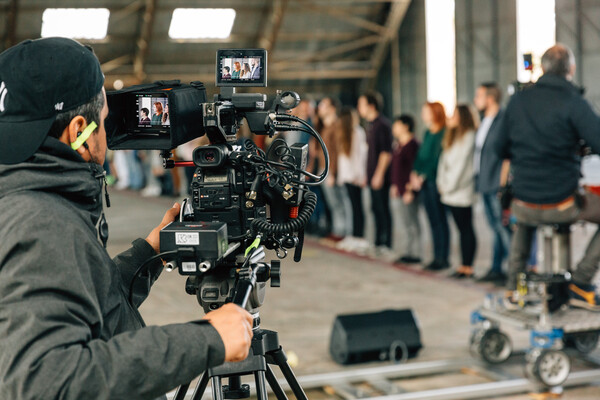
(234, 325)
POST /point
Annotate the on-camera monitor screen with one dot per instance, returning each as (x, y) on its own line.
(152, 111)
(241, 67)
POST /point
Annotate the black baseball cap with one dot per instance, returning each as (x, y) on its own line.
(38, 80)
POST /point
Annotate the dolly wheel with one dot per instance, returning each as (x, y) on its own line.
(550, 367)
(495, 346)
(585, 342)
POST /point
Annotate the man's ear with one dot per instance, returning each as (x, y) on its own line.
(572, 70)
(76, 126)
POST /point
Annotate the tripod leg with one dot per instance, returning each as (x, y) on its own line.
(261, 385)
(181, 392)
(281, 360)
(279, 393)
(200, 387)
(217, 389)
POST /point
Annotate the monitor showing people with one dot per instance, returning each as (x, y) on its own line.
(153, 111)
(245, 68)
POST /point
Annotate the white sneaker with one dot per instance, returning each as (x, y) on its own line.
(384, 252)
(151, 191)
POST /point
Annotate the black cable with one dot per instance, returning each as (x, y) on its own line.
(293, 225)
(310, 130)
(144, 264)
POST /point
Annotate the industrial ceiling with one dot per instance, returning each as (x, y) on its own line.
(312, 44)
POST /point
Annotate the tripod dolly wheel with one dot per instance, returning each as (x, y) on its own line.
(547, 366)
(492, 345)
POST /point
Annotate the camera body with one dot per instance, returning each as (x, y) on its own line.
(221, 189)
(242, 199)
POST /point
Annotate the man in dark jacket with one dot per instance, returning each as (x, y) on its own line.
(67, 329)
(541, 132)
(487, 167)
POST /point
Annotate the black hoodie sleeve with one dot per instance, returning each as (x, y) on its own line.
(129, 261)
(66, 330)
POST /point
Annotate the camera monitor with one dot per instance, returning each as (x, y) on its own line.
(158, 116)
(152, 111)
(241, 67)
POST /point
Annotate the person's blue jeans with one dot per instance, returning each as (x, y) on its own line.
(493, 213)
(438, 220)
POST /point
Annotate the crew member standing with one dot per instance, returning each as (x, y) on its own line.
(68, 328)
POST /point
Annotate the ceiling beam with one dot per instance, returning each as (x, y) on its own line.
(205, 69)
(392, 25)
(143, 42)
(131, 8)
(130, 79)
(333, 51)
(279, 9)
(116, 63)
(233, 38)
(340, 14)
(267, 11)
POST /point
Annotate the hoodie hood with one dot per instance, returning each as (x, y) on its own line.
(57, 169)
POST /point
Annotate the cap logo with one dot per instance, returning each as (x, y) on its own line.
(3, 93)
(59, 106)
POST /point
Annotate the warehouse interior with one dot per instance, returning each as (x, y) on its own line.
(413, 53)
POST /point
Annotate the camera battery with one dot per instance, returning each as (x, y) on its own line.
(208, 239)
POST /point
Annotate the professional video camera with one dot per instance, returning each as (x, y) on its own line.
(243, 200)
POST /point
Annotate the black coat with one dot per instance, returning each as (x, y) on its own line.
(67, 330)
(541, 132)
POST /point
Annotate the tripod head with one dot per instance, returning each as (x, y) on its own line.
(243, 282)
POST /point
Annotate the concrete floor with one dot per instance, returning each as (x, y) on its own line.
(327, 283)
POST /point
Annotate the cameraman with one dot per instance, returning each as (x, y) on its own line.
(540, 133)
(67, 329)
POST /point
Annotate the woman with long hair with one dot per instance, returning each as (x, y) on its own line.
(157, 116)
(456, 183)
(423, 180)
(237, 68)
(246, 71)
(352, 168)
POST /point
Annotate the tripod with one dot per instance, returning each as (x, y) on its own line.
(265, 350)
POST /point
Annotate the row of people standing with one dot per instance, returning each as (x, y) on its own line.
(453, 165)
(443, 174)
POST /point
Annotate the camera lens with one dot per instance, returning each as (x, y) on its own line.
(209, 156)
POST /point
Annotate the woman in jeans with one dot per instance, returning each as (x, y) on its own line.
(423, 179)
(456, 183)
(352, 167)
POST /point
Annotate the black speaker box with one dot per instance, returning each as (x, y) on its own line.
(384, 335)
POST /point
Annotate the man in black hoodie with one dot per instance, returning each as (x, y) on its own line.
(67, 328)
(540, 133)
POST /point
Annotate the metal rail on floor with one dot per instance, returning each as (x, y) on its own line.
(346, 384)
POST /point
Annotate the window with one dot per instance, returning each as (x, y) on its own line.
(76, 23)
(201, 23)
(536, 32)
(441, 55)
